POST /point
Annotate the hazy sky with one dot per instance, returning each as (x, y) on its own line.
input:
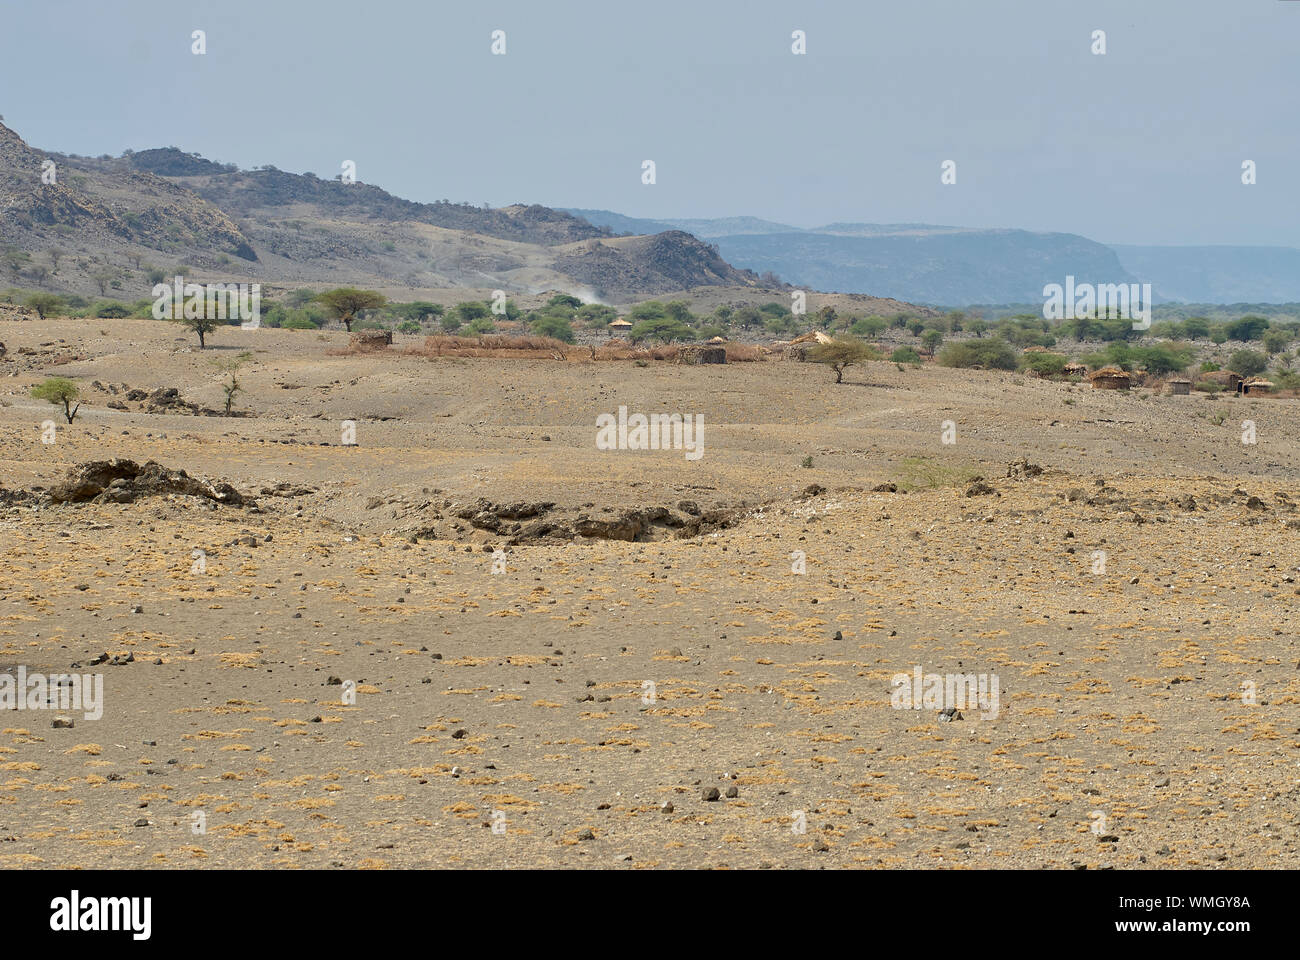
(1142, 145)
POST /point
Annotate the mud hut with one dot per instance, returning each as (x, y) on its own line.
(1110, 378)
(1224, 378)
(1256, 385)
(1075, 370)
(1180, 388)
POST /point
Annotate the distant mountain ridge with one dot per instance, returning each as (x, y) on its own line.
(957, 266)
(1217, 274)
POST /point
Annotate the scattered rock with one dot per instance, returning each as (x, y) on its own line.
(123, 481)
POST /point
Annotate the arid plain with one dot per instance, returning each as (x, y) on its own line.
(592, 695)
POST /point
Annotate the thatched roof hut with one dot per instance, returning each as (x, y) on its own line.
(1256, 385)
(1075, 369)
(620, 328)
(1110, 378)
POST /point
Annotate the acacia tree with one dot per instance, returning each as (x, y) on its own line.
(841, 354)
(202, 326)
(59, 390)
(45, 304)
(346, 302)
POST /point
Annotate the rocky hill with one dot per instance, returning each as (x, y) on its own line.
(657, 264)
(101, 214)
(102, 225)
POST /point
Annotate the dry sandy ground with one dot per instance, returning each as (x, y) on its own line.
(1127, 733)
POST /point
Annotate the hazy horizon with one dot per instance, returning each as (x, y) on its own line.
(1141, 146)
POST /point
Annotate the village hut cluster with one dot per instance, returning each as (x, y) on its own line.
(714, 351)
(1110, 378)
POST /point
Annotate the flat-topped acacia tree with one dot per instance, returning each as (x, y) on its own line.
(841, 354)
(346, 302)
(59, 390)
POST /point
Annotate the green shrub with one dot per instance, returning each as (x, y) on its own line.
(1247, 328)
(548, 325)
(274, 315)
(45, 304)
(1164, 358)
(1277, 339)
(868, 327)
(990, 354)
(1286, 379)
(1044, 364)
(1160, 358)
(1248, 363)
